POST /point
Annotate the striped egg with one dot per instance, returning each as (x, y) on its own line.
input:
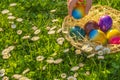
(78, 12)
(98, 36)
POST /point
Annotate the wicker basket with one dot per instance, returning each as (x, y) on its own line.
(94, 14)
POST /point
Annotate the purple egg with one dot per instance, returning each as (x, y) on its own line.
(105, 23)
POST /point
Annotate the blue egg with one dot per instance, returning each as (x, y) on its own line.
(98, 36)
(77, 32)
(76, 14)
(93, 34)
(79, 11)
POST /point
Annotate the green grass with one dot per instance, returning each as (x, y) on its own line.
(37, 12)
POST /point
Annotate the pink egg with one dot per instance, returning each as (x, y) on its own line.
(115, 40)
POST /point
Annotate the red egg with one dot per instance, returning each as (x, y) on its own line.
(115, 40)
(90, 25)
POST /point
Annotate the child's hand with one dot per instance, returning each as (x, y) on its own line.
(72, 4)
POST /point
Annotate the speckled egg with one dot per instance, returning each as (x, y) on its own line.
(77, 32)
(113, 32)
(78, 12)
(97, 36)
(105, 23)
(90, 25)
(115, 40)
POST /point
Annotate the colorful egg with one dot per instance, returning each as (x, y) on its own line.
(78, 12)
(90, 25)
(105, 23)
(98, 36)
(115, 40)
(77, 32)
(113, 32)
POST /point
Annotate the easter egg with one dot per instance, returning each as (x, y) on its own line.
(113, 32)
(78, 12)
(90, 25)
(115, 40)
(77, 32)
(98, 36)
(105, 23)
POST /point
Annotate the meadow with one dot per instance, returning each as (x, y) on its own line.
(32, 46)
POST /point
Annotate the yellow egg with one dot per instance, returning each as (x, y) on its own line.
(79, 11)
(112, 33)
(98, 36)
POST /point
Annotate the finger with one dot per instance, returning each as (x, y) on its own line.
(88, 5)
(70, 10)
(71, 5)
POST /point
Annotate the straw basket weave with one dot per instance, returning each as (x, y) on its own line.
(94, 14)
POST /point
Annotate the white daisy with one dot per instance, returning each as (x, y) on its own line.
(51, 32)
(52, 11)
(17, 76)
(60, 40)
(26, 71)
(5, 51)
(13, 25)
(106, 50)
(19, 32)
(75, 68)
(34, 28)
(35, 38)
(37, 31)
(85, 47)
(100, 57)
(19, 19)
(66, 50)
(13, 4)
(91, 55)
(5, 78)
(47, 28)
(81, 65)
(11, 17)
(89, 49)
(50, 61)
(11, 48)
(76, 74)
(100, 53)
(63, 75)
(71, 78)
(55, 20)
(5, 11)
(98, 47)
(59, 30)
(6, 56)
(2, 72)
(24, 78)
(78, 51)
(25, 37)
(54, 27)
(57, 61)
(40, 58)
